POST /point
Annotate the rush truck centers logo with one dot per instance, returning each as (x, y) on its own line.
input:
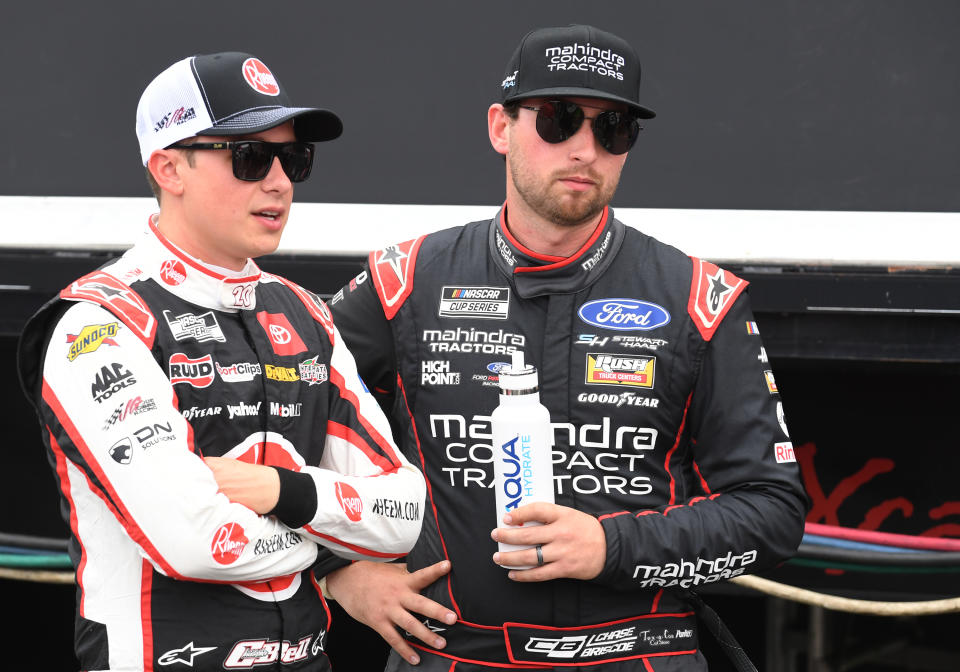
(610, 369)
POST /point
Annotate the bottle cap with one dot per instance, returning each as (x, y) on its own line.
(519, 378)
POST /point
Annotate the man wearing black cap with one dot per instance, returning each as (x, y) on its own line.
(671, 469)
(167, 379)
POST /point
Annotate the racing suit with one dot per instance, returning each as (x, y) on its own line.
(667, 422)
(140, 369)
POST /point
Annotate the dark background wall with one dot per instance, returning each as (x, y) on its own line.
(792, 104)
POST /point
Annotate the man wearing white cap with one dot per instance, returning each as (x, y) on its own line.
(167, 379)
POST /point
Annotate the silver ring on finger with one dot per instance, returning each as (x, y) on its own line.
(539, 555)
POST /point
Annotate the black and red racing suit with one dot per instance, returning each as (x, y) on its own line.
(140, 369)
(667, 422)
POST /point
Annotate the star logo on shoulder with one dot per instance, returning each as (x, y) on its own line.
(184, 655)
(391, 255)
(718, 290)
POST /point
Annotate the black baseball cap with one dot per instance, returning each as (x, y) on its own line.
(228, 93)
(574, 61)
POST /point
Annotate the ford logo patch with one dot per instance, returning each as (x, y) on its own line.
(624, 314)
(497, 367)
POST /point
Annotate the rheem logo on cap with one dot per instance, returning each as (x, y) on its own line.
(259, 77)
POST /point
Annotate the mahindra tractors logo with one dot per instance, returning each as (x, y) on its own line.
(228, 543)
(349, 500)
(259, 77)
(173, 272)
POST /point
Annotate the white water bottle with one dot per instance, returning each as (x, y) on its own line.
(522, 445)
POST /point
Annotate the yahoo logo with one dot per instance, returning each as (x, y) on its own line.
(624, 314)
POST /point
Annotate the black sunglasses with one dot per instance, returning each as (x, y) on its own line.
(558, 120)
(252, 158)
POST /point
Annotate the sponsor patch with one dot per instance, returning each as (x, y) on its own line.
(783, 451)
(771, 382)
(110, 380)
(252, 653)
(260, 78)
(488, 303)
(285, 374)
(135, 406)
(283, 338)
(228, 543)
(618, 400)
(752, 328)
(349, 500)
(762, 357)
(285, 410)
(201, 328)
(624, 314)
(90, 338)
(618, 369)
(240, 372)
(312, 372)
(195, 372)
(712, 292)
(184, 655)
(173, 272)
(122, 451)
(473, 341)
(621, 341)
(437, 372)
(195, 412)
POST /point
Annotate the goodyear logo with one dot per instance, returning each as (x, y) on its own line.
(610, 369)
(90, 338)
(284, 374)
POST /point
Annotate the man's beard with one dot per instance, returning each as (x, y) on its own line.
(568, 211)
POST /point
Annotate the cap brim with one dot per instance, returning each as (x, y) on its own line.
(309, 124)
(579, 92)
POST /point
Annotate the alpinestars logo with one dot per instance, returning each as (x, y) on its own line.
(184, 655)
(201, 328)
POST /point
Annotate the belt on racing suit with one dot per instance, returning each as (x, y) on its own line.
(547, 646)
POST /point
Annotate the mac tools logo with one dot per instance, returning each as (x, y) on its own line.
(624, 314)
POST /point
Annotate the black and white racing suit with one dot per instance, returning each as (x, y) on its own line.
(667, 424)
(140, 369)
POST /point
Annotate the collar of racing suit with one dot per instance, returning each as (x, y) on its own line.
(537, 275)
(187, 277)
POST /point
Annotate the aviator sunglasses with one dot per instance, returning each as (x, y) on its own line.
(252, 158)
(559, 120)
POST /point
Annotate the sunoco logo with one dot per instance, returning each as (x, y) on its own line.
(196, 372)
(624, 314)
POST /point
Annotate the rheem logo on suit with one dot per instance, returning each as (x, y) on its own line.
(612, 369)
(485, 303)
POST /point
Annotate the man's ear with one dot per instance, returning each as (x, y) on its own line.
(498, 123)
(164, 165)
